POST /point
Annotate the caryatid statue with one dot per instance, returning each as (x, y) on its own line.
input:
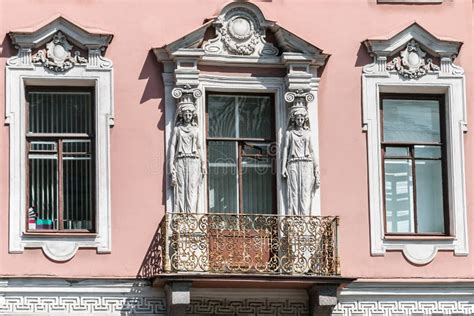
(186, 164)
(299, 164)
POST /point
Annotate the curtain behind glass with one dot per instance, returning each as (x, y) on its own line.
(255, 117)
(53, 112)
(222, 177)
(77, 184)
(240, 117)
(61, 114)
(44, 188)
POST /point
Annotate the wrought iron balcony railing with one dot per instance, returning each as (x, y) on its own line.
(259, 244)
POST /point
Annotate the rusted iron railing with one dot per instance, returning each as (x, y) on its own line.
(258, 244)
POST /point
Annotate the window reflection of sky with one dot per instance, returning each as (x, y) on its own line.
(411, 121)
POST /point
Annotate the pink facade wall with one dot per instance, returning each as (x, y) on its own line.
(137, 140)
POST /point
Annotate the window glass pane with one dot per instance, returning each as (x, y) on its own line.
(232, 177)
(221, 152)
(255, 117)
(61, 181)
(77, 146)
(43, 146)
(429, 196)
(427, 151)
(257, 178)
(397, 151)
(60, 112)
(77, 185)
(43, 212)
(250, 148)
(399, 196)
(411, 120)
(222, 177)
(221, 116)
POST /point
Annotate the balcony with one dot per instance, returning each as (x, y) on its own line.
(274, 245)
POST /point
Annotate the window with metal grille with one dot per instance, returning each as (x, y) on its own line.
(60, 153)
(240, 154)
(414, 164)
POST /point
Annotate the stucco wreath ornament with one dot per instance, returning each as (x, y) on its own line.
(239, 36)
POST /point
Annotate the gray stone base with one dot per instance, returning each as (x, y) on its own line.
(40, 297)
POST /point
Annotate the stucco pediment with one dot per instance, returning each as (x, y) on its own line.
(241, 36)
(57, 44)
(435, 46)
(82, 37)
(413, 53)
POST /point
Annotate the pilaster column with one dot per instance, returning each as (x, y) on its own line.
(178, 298)
(322, 299)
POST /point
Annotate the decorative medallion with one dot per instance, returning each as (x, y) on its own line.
(239, 36)
(240, 28)
(239, 32)
(57, 55)
(411, 63)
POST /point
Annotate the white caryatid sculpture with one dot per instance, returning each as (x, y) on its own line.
(186, 163)
(299, 164)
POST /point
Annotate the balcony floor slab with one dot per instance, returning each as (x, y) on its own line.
(234, 280)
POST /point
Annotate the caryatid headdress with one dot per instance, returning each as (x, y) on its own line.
(298, 101)
(186, 97)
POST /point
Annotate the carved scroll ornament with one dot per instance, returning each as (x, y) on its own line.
(412, 63)
(57, 55)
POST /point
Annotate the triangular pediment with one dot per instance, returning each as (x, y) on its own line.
(60, 45)
(84, 38)
(241, 34)
(392, 44)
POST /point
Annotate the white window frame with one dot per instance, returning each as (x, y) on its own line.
(447, 80)
(275, 86)
(22, 72)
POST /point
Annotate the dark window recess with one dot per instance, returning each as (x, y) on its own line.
(414, 164)
(240, 153)
(60, 151)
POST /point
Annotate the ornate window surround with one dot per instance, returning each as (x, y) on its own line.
(44, 68)
(183, 58)
(398, 76)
